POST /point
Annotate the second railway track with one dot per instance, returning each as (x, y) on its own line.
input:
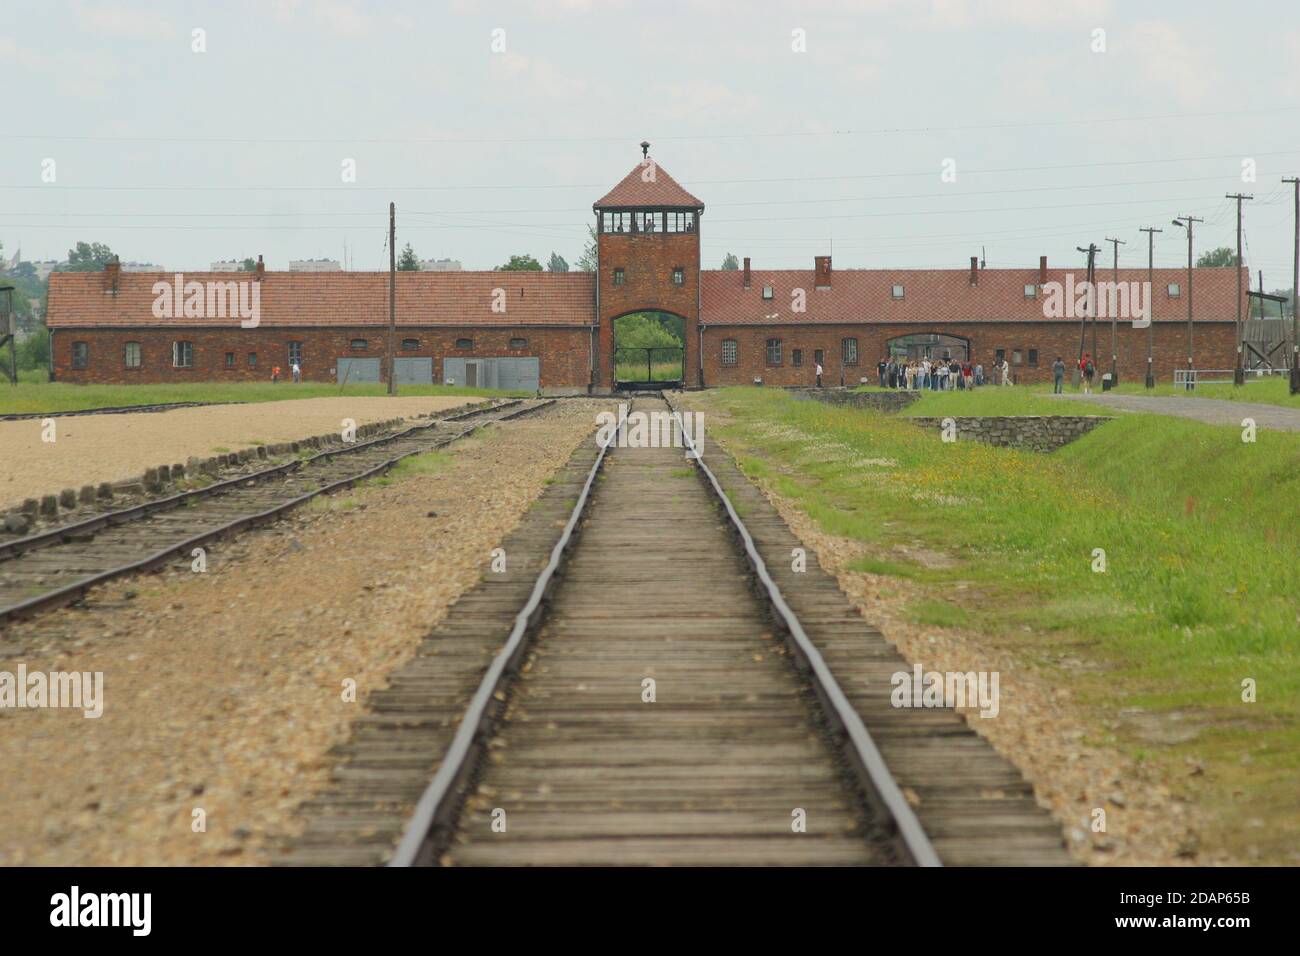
(57, 567)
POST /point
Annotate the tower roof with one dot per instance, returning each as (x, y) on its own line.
(648, 184)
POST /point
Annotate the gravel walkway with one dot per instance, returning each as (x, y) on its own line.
(1212, 411)
(94, 448)
(223, 691)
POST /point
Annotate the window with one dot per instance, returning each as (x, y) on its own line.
(358, 345)
(252, 359)
(999, 356)
(1033, 358)
(618, 276)
(182, 355)
(295, 352)
(80, 354)
(773, 351)
(410, 345)
(728, 351)
(132, 355)
(616, 221)
(464, 343)
(1015, 356)
(849, 351)
(647, 222)
(796, 356)
(767, 292)
(1031, 291)
(1174, 290)
(518, 343)
(679, 276)
(898, 292)
(230, 360)
(819, 357)
(681, 222)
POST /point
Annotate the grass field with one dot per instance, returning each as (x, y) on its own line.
(40, 396)
(1200, 591)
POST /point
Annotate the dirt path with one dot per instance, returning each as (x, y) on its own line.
(224, 691)
(1212, 411)
(94, 448)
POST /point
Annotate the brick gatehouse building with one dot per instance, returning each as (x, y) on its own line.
(556, 331)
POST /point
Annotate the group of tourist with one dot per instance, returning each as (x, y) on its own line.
(939, 375)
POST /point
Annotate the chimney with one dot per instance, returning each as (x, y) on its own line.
(1042, 270)
(822, 272)
(746, 272)
(974, 270)
(260, 271)
(112, 272)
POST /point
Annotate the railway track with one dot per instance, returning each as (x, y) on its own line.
(58, 566)
(657, 702)
(108, 410)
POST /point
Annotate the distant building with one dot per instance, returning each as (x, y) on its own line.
(43, 269)
(227, 265)
(440, 265)
(315, 265)
(142, 267)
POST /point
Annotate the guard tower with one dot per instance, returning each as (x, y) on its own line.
(648, 260)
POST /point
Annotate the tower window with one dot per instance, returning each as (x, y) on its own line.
(616, 221)
(619, 276)
(681, 222)
(728, 351)
(679, 276)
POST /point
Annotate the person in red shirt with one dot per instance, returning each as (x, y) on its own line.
(1088, 369)
(275, 373)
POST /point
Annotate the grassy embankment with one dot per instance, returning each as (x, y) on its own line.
(40, 396)
(1200, 591)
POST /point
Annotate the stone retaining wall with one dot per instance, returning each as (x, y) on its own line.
(1035, 432)
(890, 401)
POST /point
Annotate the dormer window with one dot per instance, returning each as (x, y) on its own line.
(897, 292)
(1031, 291)
(1174, 290)
(767, 292)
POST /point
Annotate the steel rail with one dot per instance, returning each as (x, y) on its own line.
(431, 819)
(878, 783)
(77, 589)
(109, 410)
(57, 535)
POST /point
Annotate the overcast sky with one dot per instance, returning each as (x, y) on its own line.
(179, 157)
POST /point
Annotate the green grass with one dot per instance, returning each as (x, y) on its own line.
(429, 463)
(1200, 591)
(998, 401)
(1272, 390)
(41, 396)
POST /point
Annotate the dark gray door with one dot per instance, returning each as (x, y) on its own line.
(518, 374)
(471, 374)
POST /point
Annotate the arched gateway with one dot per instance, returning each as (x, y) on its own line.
(648, 260)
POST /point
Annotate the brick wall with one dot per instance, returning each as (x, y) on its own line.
(648, 261)
(1213, 348)
(1035, 432)
(563, 353)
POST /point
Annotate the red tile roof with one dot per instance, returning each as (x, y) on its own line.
(81, 299)
(939, 296)
(648, 184)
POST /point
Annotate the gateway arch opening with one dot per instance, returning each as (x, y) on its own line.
(928, 345)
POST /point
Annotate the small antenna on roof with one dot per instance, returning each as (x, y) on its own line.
(645, 149)
(983, 261)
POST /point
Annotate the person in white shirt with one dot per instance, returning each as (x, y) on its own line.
(297, 372)
(819, 374)
(1006, 372)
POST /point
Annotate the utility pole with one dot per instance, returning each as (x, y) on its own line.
(392, 294)
(9, 330)
(1239, 374)
(1295, 293)
(1092, 251)
(1151, 318)
(1187, 223)
(1114, 346)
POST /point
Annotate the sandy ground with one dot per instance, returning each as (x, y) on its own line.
(223, 691)
(94, 448)
(1039, 727)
